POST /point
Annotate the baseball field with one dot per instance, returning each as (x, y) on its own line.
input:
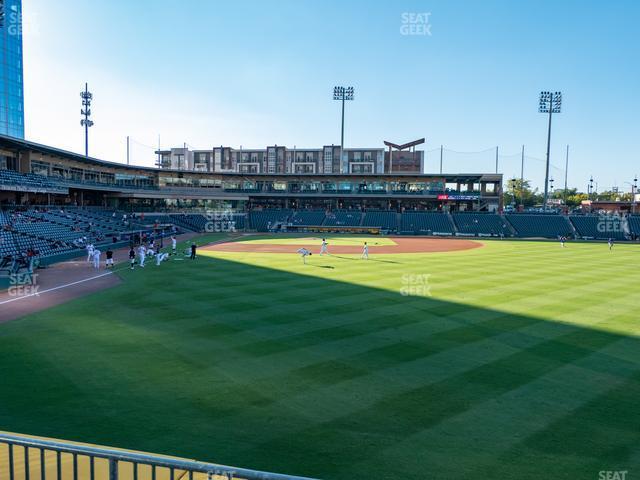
(494, 359)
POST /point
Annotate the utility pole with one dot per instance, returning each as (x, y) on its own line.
(127, 149)
(441, 151)
(522, 178)
(496, 159)
(566, 177)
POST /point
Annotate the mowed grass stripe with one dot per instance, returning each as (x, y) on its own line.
(179, 358)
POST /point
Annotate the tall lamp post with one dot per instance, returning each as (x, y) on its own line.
(86, 96)
(550, 102)
(634, 190)
(342, 94)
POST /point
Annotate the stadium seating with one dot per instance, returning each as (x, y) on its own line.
(600, 226)
(343, 218)
(431, 223)
(383, 219)
(214, 222)
(308, 217)
(27, 180)
(540, 226)
(634, 225)
(481, 224)
(263, 220)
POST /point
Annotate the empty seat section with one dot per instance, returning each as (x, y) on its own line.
(545, 226)
(383, 219)
(431, 223)
(343, 219)
(481, 223)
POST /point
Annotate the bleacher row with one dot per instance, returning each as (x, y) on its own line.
(46, 232)
(53, 231)
(460, 224)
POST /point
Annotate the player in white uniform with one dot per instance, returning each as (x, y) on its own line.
(174, 245)
(323, 248)
(304, 252)
(142, 252)
(96, 258)
(89, 253)
(161, 257)
(365, 251)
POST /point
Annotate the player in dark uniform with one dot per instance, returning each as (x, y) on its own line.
(132, 257)
(109, 262)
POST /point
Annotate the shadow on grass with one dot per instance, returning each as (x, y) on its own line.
(273, 370)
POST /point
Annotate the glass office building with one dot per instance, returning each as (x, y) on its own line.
(11, 85)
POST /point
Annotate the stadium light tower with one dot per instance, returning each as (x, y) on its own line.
(550, 102)
(343, 94)
(86, 96)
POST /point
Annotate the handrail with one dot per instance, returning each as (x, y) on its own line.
(115, 456)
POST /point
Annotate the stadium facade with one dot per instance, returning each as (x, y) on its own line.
(281, 159)
(36, 174)
(11, 69)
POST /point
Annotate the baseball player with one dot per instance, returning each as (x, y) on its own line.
(365, 251)
(142, 253)
(96, 258)
(109, 261)
(161, 257)
(323, 248)
(89, 252)
(174, 244)
(304, 252)
(132, 257)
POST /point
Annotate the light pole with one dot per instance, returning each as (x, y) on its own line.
(590, 187)
(86, 96)
(550, 102)
(342, 94)
(634, 189)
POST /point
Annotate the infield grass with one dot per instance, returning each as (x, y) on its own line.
(518, 360)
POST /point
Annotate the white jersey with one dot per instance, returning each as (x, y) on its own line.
(174, 242)
(142, 251)
(303, 251)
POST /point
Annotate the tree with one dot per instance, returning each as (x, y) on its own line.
(520, 192)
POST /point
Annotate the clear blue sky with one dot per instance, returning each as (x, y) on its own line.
(257, 73)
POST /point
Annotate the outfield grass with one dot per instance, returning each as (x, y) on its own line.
(523, 363)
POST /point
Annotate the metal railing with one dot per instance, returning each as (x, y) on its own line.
(27, 458)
